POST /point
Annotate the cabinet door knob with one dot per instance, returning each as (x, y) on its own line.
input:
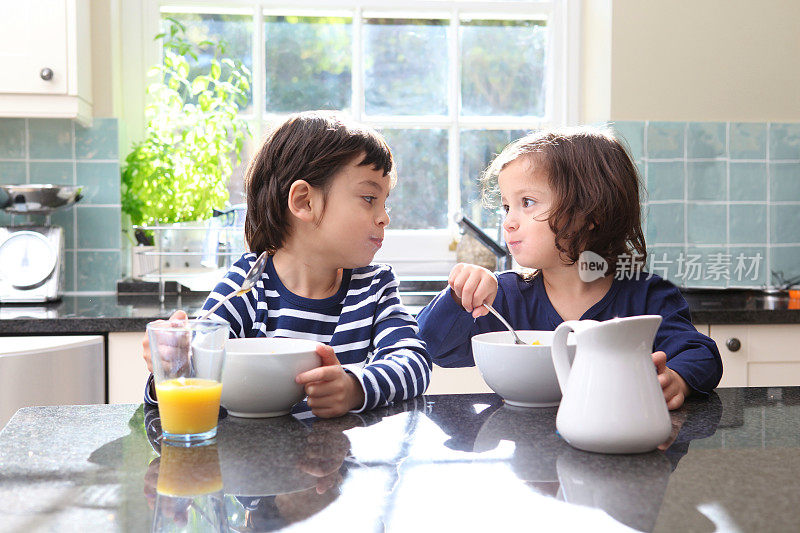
(46, 74)
(733, 344)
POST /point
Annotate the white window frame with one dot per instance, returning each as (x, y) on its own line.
(432, 253)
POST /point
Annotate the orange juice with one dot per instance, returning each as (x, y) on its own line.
(188, 405)
(189, 471)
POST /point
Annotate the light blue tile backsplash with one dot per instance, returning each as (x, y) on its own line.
(748, 181)
(62, 152)
(665, 140)
(12, 138)
(94, 268)
(705, 140)
(666, 180)
(706, 223)
(97, 142)
(667, 223)
(633, 133)
(748, 140)
(784, 142)
(747, 266)
(13, 171)
(55, 172)
(723, 200)
(51, 139)
(784, 223)
(747, 223)
(785, 181)
(707, 180)
(93, 175)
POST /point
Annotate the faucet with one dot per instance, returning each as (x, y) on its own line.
(499, 249)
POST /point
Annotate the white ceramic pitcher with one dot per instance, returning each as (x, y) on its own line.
(611, 399)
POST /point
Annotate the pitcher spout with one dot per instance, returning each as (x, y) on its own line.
(632, 335)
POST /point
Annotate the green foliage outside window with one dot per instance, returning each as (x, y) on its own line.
(193, 136)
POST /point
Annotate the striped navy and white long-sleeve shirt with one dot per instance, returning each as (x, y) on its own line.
(373, 335)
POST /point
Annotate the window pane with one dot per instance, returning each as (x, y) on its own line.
(308, 62)
(234, 31)
(405, 71)
(478, 149)
(419, 200)
(505, 79)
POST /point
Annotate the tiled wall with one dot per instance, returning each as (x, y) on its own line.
(723, 200)
(63, 152)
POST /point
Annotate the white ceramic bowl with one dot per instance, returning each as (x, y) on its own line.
(522, 374)
(258, 378)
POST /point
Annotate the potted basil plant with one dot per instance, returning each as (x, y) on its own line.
(193, 136)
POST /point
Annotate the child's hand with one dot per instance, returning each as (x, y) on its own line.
(472, 286)
(177, 315)
(672, 384)
(331, 391)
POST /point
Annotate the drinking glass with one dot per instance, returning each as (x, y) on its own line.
(187, 357)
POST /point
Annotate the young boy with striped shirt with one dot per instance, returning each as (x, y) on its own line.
(316, 202)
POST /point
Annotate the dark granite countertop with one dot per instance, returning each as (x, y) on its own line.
(94, 314)
(436, 463)
(741, 306)
(101, 314)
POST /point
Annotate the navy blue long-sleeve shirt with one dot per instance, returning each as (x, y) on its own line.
(447, 328)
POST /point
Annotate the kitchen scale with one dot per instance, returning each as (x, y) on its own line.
(32, 256)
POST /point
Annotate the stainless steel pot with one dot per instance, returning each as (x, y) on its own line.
(37, 199)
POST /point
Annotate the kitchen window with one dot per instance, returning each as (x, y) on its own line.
(449, 83)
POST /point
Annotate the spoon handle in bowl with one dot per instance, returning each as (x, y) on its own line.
(492, 310)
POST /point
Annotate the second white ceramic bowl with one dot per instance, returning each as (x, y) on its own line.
(258, 378)
(522, 374)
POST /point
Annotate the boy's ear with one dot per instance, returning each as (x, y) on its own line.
(301, 200)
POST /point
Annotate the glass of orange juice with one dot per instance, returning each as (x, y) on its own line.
(188, 356)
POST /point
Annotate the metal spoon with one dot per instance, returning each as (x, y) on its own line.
(249, 281)
(492, 310)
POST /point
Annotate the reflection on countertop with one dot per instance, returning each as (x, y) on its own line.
(435, 463)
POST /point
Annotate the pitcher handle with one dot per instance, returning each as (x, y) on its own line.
(560, 353)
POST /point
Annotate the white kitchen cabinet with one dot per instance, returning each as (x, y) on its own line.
(50, 370)
(45, 59)
(465, 380)
(758, 355)
(127, 372)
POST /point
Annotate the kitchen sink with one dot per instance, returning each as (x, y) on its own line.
(417, 292)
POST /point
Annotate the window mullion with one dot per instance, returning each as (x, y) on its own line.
(454, 106)
(357, 68)
(259, 74)
(571, 59)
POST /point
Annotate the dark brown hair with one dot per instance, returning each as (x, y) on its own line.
(596, 188)
(311, 146)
